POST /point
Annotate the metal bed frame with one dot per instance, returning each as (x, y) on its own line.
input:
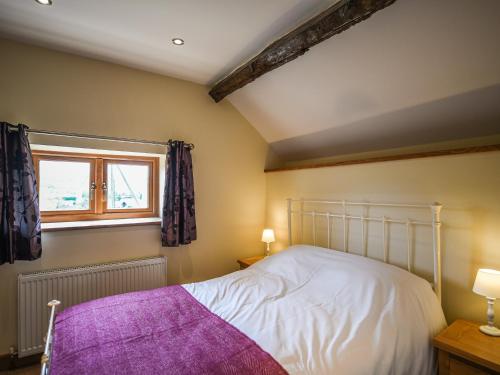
(435, 223)
(45, 360)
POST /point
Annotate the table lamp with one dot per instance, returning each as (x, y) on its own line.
(268, 237)
(487, 284)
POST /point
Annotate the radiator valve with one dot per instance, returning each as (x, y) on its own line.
(12, 351)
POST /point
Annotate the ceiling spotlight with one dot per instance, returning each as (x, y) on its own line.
(178, 41)
(44, 2)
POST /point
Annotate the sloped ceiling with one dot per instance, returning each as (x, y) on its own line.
(404, 76)
(415, 72)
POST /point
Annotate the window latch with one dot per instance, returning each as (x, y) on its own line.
(104, 187)
(92, 190)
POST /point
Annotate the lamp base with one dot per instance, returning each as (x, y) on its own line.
(489, 330)
(268, 251)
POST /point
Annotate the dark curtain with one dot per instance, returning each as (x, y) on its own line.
(20, 226)
(179, 221)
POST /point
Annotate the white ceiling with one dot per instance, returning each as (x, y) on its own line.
(218, 34)
(408, 57)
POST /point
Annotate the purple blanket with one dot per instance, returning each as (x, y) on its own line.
(162, 331)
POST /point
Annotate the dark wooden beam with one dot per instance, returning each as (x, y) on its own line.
(334, 20)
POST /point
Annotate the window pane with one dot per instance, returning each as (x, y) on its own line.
(128, 186)
(64, 185)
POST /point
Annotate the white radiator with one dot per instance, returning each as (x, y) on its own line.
(75, 285)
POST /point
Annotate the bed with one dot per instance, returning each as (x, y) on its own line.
(306, 310)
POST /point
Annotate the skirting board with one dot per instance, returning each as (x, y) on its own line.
(12, 362)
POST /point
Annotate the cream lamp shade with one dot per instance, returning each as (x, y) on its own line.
(487, 283)
(268, 236)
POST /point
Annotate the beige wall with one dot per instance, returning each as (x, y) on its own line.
(467, 185)
(50, 90)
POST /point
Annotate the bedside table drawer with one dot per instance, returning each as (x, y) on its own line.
(450, 364)
(458, 367)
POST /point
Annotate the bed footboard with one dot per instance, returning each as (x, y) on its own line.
(45, 360)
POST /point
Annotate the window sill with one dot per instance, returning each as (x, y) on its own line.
(71, 225)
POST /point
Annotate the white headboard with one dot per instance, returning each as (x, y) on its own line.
(434, 222)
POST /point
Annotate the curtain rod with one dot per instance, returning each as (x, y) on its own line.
(103, 138)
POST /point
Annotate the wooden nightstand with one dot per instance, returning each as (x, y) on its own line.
(463, 349)
(246, 262)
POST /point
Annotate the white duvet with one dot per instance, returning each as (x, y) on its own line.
(320, 311)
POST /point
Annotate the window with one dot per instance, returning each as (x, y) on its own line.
(75, 186)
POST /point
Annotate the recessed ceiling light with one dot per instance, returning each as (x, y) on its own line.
(178, 41)
(44, 2)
